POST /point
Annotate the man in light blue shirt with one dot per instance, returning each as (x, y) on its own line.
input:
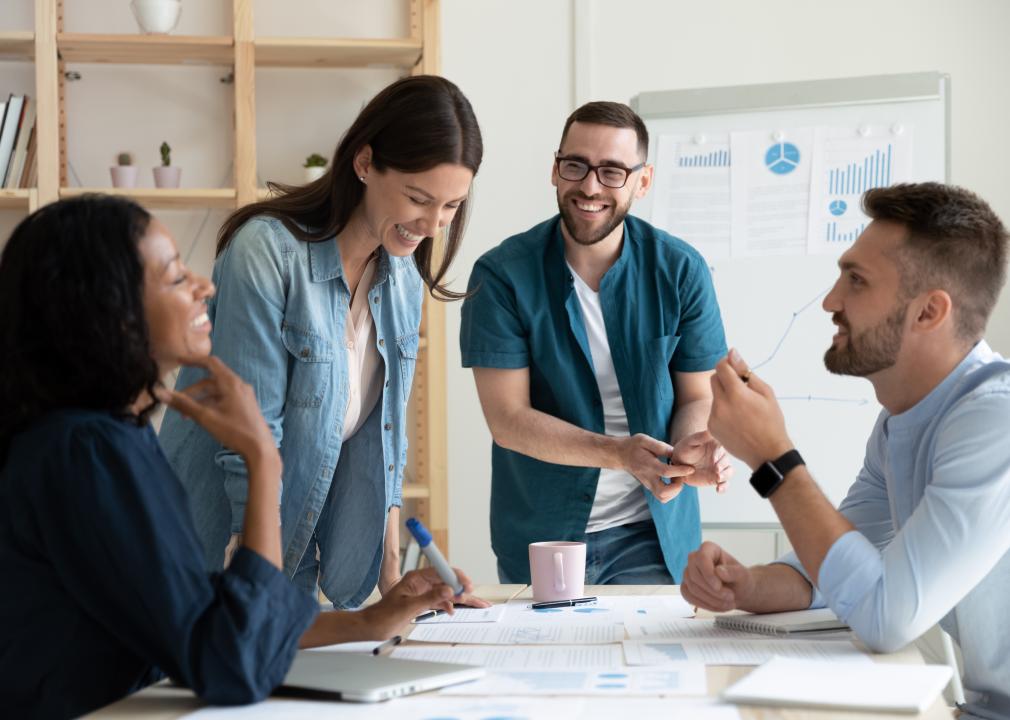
(924, 533)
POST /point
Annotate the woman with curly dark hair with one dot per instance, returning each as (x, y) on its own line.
(104, 582)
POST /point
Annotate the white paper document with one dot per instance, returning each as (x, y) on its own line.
(543, 657)
(737, 652)
(846, 163)
(508, 634)
(691, 191)
(472, 708)
(606, 609)
(467, 615)
(770, 190)
(410, 708)
(881, 687)
(684, 679)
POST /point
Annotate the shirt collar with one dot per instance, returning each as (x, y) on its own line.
(325, 264)
(557, 253)
(927, 408)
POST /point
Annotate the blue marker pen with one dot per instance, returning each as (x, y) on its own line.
(434, 555)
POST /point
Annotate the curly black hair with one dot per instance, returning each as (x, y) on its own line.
(72, 327)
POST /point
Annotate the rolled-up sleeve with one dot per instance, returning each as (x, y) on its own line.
(123, 544)
(491, 331)
(953, 539)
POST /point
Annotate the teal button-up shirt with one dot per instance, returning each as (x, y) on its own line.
(661, 315)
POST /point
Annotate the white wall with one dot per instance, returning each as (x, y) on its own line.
(513, 61)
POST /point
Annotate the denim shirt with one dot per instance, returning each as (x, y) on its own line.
(278, 321)
(662, 318)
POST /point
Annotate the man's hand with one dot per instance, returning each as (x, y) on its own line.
(708, 458)
(745, 416)
(714, 580)
(645, 458)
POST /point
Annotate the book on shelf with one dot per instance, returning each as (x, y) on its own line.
(8, 133)
(20, 154)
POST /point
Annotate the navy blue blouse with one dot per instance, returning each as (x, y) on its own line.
(104, 583)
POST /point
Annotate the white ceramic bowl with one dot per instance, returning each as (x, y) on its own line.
(157, 16)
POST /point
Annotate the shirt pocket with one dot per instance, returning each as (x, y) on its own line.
(406, 347)
(659, 355)
(309, 366)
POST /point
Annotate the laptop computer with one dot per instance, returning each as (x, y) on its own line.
(368, 678)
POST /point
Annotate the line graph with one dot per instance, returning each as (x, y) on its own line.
(778, 347)
(789, 328)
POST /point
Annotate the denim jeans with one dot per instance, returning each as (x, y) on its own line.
(624, 555)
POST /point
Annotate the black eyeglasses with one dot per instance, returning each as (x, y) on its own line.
(611, 176)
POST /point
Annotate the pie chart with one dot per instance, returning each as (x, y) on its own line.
(782, 158)
(837, 207)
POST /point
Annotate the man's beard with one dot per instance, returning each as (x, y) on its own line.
(869, 352)
(568, 218)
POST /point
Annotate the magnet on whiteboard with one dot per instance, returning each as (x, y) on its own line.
(897, 128)
(700, 139)
(864, 130)
(778, 136)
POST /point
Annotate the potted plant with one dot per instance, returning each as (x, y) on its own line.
(124, 172)
(167, 176)
(315, 166)
(157, 16)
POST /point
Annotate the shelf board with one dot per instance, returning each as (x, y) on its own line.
(17, 45)
(336, 53)
(415, 492)
(15, 199)
(147, 49)
(176, 198)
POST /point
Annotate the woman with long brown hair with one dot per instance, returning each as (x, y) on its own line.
(318, 307)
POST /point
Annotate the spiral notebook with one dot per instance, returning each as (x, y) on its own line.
(784, 623)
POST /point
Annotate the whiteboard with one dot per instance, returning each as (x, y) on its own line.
(771, 306)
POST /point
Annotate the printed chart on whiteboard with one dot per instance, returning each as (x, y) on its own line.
(775, 191)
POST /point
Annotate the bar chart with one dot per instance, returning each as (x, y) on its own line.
(833, 234)
(855, 178)
(715, 158)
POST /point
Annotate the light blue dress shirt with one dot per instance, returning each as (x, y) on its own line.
(931, 507)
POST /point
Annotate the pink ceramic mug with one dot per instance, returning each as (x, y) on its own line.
(558, 570)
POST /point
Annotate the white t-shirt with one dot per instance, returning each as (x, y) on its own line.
(364, 363)
(619, 498)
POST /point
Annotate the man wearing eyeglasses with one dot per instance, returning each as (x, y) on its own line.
(592, 337)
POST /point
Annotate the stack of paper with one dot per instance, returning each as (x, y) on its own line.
(871, 686)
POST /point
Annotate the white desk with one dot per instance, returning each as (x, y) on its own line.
(162, 703)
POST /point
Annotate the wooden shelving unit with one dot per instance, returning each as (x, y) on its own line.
(17, 45)
(162, 198)
(51, 49)
(146, 49)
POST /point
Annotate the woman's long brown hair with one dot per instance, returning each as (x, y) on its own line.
(411, 126)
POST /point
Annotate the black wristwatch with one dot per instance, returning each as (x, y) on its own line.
(769, 475)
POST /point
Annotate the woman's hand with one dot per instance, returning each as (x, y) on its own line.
(226, 407)
(416, 592)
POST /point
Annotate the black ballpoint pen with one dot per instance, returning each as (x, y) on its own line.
(392, 642)
(562, 603)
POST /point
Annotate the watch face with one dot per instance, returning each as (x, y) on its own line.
(769, 475)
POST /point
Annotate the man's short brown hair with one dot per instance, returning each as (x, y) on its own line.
(955, 243)
(614, 114)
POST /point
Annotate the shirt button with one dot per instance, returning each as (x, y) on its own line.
(381, 341)
(376, 301)
(387, 383)
(304, 352)
(388, 426)
(390, 468)
(587, 496)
